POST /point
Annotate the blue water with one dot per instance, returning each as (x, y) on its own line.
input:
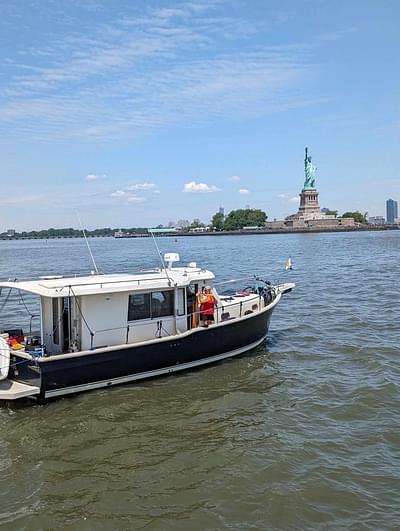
(302, 433)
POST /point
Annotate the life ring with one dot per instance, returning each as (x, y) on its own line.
(4, 358)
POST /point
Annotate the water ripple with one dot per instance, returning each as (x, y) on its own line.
(302, 433)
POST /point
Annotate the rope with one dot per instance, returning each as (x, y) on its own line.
(163, 329)
(5, 302)
(31, 315)
(58, 323)
(158, 330)
(15, 362)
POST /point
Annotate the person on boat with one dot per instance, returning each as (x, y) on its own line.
(207, 303)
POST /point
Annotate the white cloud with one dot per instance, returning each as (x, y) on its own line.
(295, 199)
(335, 35)
(194, 187)
(22, 199)
(144, 187)
(119, 193)
(127, 196)
(282, 196)
(234, 178)
(244, 191)
(130, 76)
(132, 198)
(93, 177)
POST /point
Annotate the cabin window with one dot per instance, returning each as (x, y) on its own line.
(180, 307)
(162, 304)
(139, 307)
(150, 305)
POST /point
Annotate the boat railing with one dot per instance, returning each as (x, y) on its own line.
(243, 305)
(222, 307)
(133, 281)
(222, 313)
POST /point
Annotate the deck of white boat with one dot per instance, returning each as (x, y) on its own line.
(11, 390)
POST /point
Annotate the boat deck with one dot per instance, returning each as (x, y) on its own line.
(11, 390)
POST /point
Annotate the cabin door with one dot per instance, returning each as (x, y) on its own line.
(66, 323)
(56, 329)
(192, 289)
(75, 324)
(62, 324)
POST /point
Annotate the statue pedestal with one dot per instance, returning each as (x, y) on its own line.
(309, 202)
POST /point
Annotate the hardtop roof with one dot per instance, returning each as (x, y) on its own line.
(111, 283)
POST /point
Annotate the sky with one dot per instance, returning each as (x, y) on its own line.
(140, 113)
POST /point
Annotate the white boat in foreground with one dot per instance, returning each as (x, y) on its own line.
(107, 329)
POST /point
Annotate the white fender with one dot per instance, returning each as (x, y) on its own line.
(4, 358)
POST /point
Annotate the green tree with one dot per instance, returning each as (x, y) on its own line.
(237, 219)
(330, 212)
(217, 221)
(357, 216)
(196, 223)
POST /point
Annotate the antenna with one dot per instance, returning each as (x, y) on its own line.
(159, 254)
(87, 243)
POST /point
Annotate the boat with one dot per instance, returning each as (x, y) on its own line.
(102, 330)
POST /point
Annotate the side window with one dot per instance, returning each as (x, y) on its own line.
(162, 304)
(150, 305)
(139, 306)
(180, 310)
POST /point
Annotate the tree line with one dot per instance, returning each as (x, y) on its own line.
(66, 233)
(235, 220)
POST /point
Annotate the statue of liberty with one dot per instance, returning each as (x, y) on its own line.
(309, 171)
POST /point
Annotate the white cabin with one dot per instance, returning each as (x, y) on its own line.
(84, 313)
(104, 310)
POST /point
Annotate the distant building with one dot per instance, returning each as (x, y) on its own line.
(376, 220)
(391, 210)
(221, 211)
(11, 233)
(183, 223)
(163, 230)
(171, 224)
(200, 229)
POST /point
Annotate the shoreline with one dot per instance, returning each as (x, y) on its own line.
(378, 228)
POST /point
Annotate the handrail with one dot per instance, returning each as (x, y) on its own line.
(138, 280)
(139, 322)
(158, 320)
